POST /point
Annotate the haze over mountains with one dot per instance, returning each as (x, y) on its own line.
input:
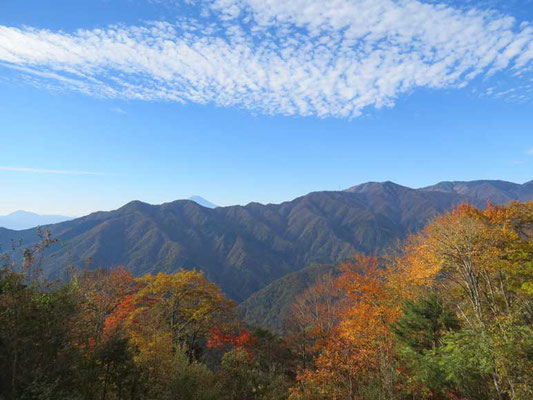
(21, 219)
(246, 248)
(26, 220)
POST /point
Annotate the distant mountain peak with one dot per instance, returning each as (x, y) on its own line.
(477, 192)
(21, 213)
(134, 205)
(203, 202)
(497, 191)
(21, 219)
(376, 186)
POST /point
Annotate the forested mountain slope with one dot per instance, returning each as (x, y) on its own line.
(244, 248)
(271, 305)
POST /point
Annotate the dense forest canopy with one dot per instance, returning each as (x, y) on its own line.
(448, 316)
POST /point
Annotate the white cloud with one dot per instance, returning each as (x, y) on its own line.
(49, 171)
(298, 57)
(530, 152)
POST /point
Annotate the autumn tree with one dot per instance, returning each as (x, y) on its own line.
(314, 315)
(100, 292)
(358, 361)
(106, 366)
(484, 260)
(183, 306)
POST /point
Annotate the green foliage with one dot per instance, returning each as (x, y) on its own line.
(424, 323)
(179, 379)
(244, 378)
(34, 336)
(421, 331)
(193, 381)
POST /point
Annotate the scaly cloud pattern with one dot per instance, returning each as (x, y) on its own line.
(298, 57)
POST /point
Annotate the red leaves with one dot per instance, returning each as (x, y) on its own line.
(220, 340)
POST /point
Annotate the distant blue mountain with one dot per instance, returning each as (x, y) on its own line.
(20, 220)
(203, 202)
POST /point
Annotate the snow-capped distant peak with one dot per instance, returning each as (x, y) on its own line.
(203, 202)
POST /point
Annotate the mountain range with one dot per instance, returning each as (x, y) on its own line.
(25, 220)
(246, 248)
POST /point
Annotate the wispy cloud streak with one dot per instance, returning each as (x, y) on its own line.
(299, 57)
(49, 171)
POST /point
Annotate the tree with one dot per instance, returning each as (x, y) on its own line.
(35, 323)
(183, 307)
(100, 293)
(314, 315)
(424, 323)
(106, 367)
(244, 377)
(484, 262)
(421, 332)
(358, 361)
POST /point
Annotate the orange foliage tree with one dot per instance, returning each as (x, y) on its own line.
(101, 292)
(359, 359)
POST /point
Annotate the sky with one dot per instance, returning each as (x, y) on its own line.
(107, 101)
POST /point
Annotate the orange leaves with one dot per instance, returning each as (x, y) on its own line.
(373, 292)
(100, 293)
(372, 305)
(360, 350)
(360, 347)
(122, 312)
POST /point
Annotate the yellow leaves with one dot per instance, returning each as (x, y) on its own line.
(186, 292)
(153, 347)
(485, 254)
(181, 307)
(527, 288)
(374, 297)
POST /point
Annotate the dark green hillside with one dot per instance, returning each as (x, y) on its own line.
(271, 305)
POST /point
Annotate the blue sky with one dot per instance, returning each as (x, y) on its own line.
(103, 102)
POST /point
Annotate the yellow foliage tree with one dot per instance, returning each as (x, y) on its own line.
(180, 308)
